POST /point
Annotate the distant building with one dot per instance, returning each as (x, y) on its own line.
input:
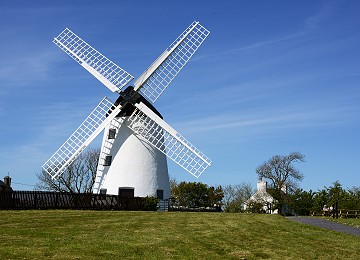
(6, 184)
(263, 197)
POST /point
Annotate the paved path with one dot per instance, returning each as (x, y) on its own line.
(328, 224)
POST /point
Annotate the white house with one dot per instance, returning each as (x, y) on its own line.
(262, 196)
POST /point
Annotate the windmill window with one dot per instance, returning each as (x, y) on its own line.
(108, 160)
(112, 133)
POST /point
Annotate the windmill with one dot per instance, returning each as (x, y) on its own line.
(136, 139)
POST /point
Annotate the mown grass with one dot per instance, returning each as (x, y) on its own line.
(61, 234)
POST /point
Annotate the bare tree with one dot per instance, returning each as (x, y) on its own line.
(281, 171)
(79, 177)
(235, 196)
(282, 174)
(173, 185)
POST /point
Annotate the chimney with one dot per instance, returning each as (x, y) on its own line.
(261, 185)
(7, 181)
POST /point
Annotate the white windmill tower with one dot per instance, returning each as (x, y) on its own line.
(136, 138)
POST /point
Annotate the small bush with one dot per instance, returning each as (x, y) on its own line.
(151, 203)
(255, 207)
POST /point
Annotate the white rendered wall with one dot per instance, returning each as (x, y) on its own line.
(135, 164)
(262, 196)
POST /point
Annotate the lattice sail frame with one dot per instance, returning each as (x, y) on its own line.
(151, 128)
(106, 71)
(101, 116)
(150, 84)
(106, 146)
(164, 69)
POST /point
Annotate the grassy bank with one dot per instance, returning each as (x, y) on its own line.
(153, 235)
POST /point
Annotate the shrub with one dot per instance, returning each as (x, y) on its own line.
(151, 203)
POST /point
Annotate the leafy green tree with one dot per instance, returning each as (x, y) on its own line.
(346, 199)
(255, 207)
(321, 199)
(353, 198)
(301, 202)
(197, 194)
(335, 193)
(305, 203)
(329, 196)
(215, 195)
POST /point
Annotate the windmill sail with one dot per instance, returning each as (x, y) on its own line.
(106, 71)
(101, 116)
(151, 128)
(107, 144)
(145, 124)
(159, 75)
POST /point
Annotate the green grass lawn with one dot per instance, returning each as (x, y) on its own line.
(62, 234)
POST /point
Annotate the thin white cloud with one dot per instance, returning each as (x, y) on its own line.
(265, 43)
(310, 24)
(27, 67)
(262, 121)
(314, 22)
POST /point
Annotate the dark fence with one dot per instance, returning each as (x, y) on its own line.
(62, 200)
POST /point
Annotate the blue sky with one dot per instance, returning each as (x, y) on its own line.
(273, 77)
